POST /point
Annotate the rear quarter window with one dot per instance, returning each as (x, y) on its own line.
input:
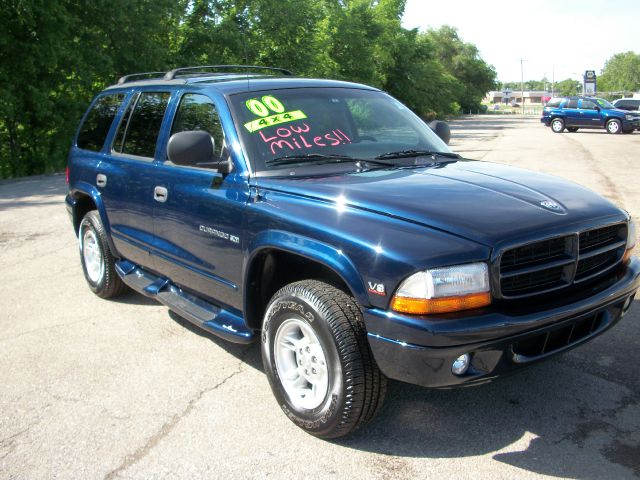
(96, 125)
(138, 134)
(554, 102)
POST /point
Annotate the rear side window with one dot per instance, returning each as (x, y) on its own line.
(588, 105)
(198, 112)
(96, 126)
(138, 134)
(572, 103)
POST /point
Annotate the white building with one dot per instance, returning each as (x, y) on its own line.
(531, 97)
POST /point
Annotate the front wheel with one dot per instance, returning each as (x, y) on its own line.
(557, 125)
(317, 358)
(614, 126)
(97, 260)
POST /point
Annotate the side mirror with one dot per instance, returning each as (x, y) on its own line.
(192, 148)
(441, 129)
(598, 108)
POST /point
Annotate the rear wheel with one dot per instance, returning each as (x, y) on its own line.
(557, 125)
(572, 129)
(317, 358)
(614, 126)
(97, 260)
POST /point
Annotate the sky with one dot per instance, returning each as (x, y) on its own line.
(561, 37)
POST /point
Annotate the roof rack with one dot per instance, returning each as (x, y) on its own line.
(170, 75)
(128, 78)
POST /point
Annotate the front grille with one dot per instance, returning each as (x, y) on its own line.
(559, 262)
(533, 253)
(556, 339)
(523, 283)
(594, 264)
(599, 237)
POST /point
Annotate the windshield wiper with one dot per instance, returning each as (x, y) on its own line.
(416, 153)
(309, 158)
(319, 158)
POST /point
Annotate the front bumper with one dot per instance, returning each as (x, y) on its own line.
(421, 350)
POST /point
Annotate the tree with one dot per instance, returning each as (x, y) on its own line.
(55, 55)
(463, 61)
(621, 73)
(567, 87)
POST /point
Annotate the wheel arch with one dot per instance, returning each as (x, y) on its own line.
(280, 258)
(86, 198)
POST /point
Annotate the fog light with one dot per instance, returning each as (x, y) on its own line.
(461, 364)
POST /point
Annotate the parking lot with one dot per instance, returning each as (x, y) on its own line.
(126, 389)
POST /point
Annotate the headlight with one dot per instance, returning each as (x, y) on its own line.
(443, 290)
(631, 241)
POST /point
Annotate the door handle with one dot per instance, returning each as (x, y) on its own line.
(160, 194)
(101, 180)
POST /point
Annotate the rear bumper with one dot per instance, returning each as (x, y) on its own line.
(70, 204)
(421, 350)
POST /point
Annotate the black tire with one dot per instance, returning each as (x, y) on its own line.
(627, 131)
(572, 129)
(103, 281)
(557, 125)
(614, 126)
(355, 387)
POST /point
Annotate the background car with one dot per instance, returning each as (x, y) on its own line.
(573, 113)
(629, 104)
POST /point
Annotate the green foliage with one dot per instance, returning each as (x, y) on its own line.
(55, 55)
(462, 61)
(621, 73)
(568, 87)
(529, 85)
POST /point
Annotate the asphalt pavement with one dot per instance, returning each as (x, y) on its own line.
(91, 388)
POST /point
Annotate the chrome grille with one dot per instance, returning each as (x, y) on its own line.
(559, 262)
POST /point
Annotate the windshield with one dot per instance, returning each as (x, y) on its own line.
(310, 126)
(602, 103)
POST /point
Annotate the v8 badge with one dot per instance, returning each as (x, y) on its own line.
(377, 288)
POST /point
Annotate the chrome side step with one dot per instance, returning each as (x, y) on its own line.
(201, 313)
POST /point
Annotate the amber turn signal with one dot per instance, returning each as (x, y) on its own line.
(426, 306)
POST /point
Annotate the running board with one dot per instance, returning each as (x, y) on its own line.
(201, 313)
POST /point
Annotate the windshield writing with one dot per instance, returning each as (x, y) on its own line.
(327, 121)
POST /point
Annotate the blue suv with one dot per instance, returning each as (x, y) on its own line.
(573, 113)
(326, 221)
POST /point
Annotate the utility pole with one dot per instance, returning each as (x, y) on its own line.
(522, 82)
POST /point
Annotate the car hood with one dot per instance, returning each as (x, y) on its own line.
(481, 201)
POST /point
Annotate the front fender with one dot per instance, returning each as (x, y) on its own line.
(314, 250)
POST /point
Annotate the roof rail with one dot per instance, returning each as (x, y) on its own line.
(127, 78)
(170, 75)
